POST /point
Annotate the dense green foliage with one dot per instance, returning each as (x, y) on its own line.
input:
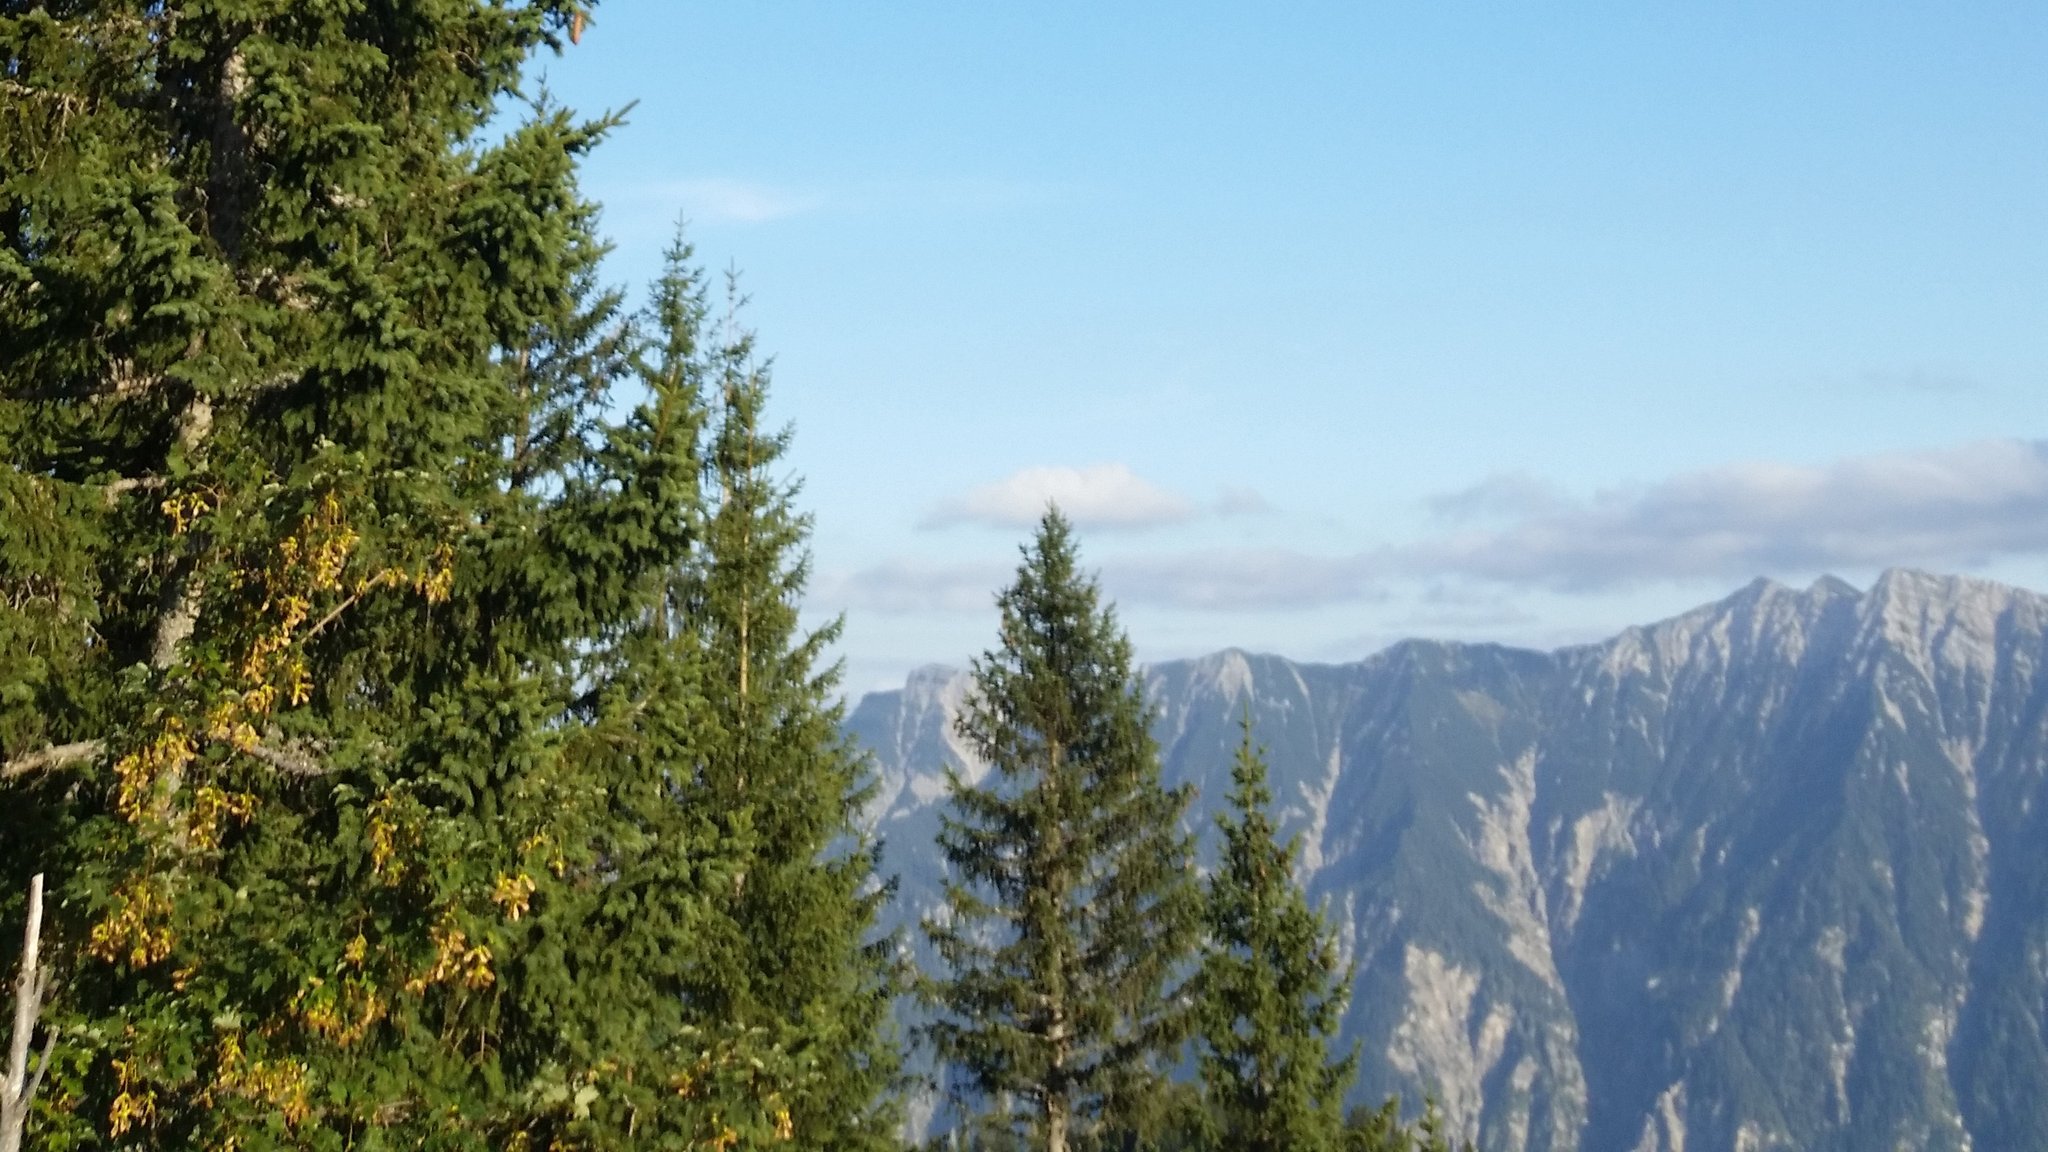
(1381, 1130)
(793, 949)
(401, 674)
(1074, 908)
(1271, 991)
(343, 690)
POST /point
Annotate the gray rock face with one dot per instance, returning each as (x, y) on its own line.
(1769, 875)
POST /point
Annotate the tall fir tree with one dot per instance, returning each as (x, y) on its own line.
(1271, 991)
(333, 692)
(1381, 1130)
(797, 942)
(1073, 909)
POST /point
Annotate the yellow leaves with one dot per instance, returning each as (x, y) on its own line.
(384, 861)
(306, 573)
(308, 565)
(433, 582)
(283, 1085)
(312, 562)
(476, 967)
(455, 959)
(513, 894)
(298, 684)
(343, 1012)
(436, 581)
(138, 930)
(318, 1011)
(261, 699)
(227, 722)
(323, 546)
(211, 808)
(357, 951)
(186, 508)
(140, 771)
(395, 832)
(292, 590)
(534, 844)
(135, 1106)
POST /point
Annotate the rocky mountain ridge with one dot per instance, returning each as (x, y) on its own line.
(1770, 874)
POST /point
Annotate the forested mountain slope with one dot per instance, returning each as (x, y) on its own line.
(1771, 874)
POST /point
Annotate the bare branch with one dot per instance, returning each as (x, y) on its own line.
(123, 380)
(115, 489)
(345, 605)
(291, 759)
(55, 756)
(35, 1082)
(17, 1093)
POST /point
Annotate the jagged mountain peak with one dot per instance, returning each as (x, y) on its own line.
(1920, 608)
(1769, 874)
(1227, 673)
(932, 679)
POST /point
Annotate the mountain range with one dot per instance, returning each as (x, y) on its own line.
(1772, 874)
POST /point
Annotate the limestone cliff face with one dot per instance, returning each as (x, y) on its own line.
(1772, 874)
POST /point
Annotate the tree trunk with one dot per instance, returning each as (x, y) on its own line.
(1055, 1123)
(20, 1090)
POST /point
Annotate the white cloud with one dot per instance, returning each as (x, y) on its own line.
(901, 588)
(1097, 496)
(1242, 502)
(1506, 494)
(1227, 580)
(1237, 580)
(1947, 509)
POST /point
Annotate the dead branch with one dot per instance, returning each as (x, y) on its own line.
(291, 759)
(19, 1091)
(115, 489)
(55, 756)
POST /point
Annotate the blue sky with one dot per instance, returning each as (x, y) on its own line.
(1337, 323)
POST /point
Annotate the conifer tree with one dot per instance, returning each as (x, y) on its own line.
(795, 943)
(333, 692)
(1270, 993)
(1381, 1130)
(1072, 909)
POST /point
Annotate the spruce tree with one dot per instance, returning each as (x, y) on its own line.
(795, 944)
(1381, 1130)
(1270, 993)
(1072, 908)
(335, 695)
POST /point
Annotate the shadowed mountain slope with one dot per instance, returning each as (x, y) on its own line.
(1771, 874)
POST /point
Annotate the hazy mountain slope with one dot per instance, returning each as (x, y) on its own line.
(1767, 875)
